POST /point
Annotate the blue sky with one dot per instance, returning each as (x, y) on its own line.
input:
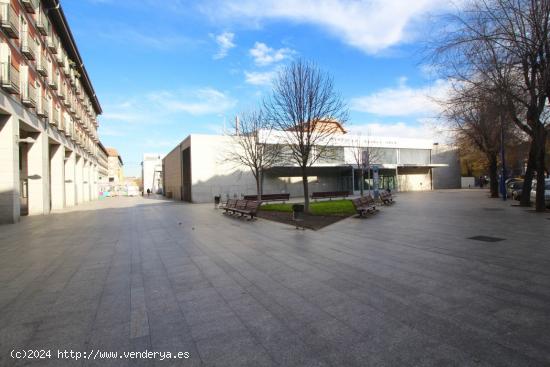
(165, 69)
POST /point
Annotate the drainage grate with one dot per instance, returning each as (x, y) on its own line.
(486, 238)
(493, 209)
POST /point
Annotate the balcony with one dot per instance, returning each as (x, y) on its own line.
(9, 78)
(42, 111)
(9, 21)
(59, 56)
(30, 5)
(67, 101)
(42, 24)
(52, 83)
(57, 119)
(28, 47)
(41, 66)
(51, 43)
(28, 96)
(61, 93)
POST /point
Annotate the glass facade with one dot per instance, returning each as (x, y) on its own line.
(414, 156)
(383, 155)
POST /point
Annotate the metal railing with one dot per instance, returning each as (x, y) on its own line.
(9, 77)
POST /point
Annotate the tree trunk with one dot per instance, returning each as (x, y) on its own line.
(362, 182)
(528, 179)
(306, 190)
(540, 204)
(259, 186)
(493, 174)
(368, 177)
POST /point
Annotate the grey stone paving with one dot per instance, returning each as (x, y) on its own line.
(403, 288)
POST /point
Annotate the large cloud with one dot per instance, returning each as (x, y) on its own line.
(403, 100)
(370, 25)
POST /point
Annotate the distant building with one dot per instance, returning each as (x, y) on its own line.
(151, 173)
(102, 164)
(114, 166)
(197, 169)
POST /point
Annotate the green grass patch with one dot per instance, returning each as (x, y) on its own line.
(330, 207)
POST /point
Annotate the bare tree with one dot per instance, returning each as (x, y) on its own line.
(364, 155)
(478, 119)
(308, 112)
(252, 147)
(506, 42)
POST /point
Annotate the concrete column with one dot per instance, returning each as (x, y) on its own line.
(86, 175)
(38, 175)
(95, 182)
(79, 180)
(70, 178)
(9, 170)
(57, 179)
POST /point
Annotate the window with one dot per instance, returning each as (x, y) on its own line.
(383, 155)
(50, 68)
(24, 80)
(5, 54)
(38, 96)
(23, 29)
(50, 107)
(414, 156)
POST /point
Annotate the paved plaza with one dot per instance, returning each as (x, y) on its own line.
(406, 287)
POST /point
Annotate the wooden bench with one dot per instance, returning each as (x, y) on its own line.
(269, 197)
(330, 194)
(364, 205)
(386, 197)
(229, 204)
(242, 207)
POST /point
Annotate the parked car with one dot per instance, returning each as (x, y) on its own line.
(513, 179)
(546, 192)
(514, 189)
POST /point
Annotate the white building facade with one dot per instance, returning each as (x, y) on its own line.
(198, 169)
(49, 146)
(151, 173)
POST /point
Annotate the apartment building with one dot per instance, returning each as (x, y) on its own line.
(50, 154)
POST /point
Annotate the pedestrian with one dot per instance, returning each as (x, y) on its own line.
(148, 192)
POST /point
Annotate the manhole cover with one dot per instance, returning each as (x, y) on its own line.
(486, 238)
(493, 209)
